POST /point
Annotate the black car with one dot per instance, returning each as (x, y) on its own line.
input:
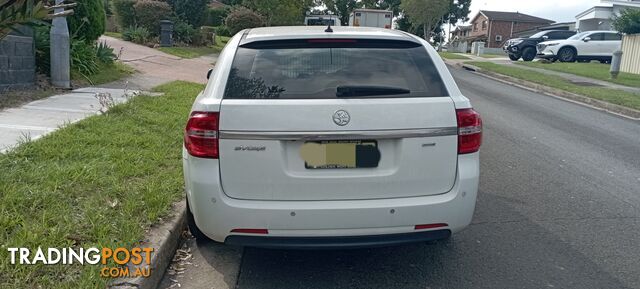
(526, 47)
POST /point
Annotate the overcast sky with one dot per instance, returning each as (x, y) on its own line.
(556, 10)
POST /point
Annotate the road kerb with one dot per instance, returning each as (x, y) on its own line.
(557, 93)
(164, 239)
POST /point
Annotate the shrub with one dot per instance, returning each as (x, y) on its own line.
(83, 57)
(184, 32)
(43, 52)
(191, 11)
(136, 34)
(104, 53)
(222, 30)
(88, 20)
(215, 17)
(150, 12)
(628, 22)
(242, 18)
(125, 13)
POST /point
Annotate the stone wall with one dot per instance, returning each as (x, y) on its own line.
(17, 60)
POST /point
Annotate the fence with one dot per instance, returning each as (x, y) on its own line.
(17, 60)
(631, 54)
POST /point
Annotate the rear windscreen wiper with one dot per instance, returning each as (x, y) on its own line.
(368, 90)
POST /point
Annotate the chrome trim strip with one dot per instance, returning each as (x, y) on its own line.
(339, 135)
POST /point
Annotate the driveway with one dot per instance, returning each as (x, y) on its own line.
(156, 67)
(558, 207)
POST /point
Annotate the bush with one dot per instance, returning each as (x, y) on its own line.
(88, 20)
(83, 57)
(43, 52)
(223, 31)
(104, 53)
(136, 34)
(628, 22)
(183, 32)
(215, 17)
(191, 11)
(242, 18)
(125, 13)
(150, 12)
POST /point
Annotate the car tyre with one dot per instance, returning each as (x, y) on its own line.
(193, 228)
(567, 54)
(528, 54)
(514, 57)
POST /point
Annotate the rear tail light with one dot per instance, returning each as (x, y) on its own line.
(469, 131)
(251, 231)
(387, 26)
(430, 226)
(201, 135)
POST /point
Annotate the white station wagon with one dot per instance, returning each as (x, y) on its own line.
(316, 137)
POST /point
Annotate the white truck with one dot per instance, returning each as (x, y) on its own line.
(322, 20)
(371, 18)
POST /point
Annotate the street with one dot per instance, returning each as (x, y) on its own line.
(558, 207)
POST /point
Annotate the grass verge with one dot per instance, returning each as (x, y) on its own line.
(592, 70)
(17, 97)
(196, 51)
(492, 56)
(100, 182)
(106, 73)
(619, 97)
(450, 55)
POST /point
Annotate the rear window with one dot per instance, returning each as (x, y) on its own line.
(333, 68)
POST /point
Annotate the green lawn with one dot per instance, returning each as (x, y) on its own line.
(619, 97)
(451, 55)
(592, 70)
(196, 51)
(114, 34)
(99, 182)
(107, 73)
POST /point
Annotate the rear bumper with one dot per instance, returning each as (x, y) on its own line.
(348, 242)
(332, 224)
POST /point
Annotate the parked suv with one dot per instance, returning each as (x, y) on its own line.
(307, 137)
(585, 46)
(526, 47)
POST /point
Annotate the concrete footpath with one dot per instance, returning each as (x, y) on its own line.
(35, 119)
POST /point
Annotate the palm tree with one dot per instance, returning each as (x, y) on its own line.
(26, 12)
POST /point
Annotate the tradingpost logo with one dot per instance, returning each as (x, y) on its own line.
(138, 257)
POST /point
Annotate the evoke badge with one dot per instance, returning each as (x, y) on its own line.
(251, 148)
(341, 118)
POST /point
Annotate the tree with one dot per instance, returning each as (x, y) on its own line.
(242, 18)
(280, 12)
(427, 13)
(191, 11)
(149, 13)
(628, 21)
(20, 12)
(88, 21)
(342, 8)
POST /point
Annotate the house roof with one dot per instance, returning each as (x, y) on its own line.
(512, 17)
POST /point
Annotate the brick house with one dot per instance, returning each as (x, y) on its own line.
(495, 27)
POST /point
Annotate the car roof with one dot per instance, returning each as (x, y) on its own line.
(314, 32)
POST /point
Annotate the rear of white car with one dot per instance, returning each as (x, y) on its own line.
(312, 138)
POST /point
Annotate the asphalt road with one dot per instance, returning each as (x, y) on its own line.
(558, 207)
